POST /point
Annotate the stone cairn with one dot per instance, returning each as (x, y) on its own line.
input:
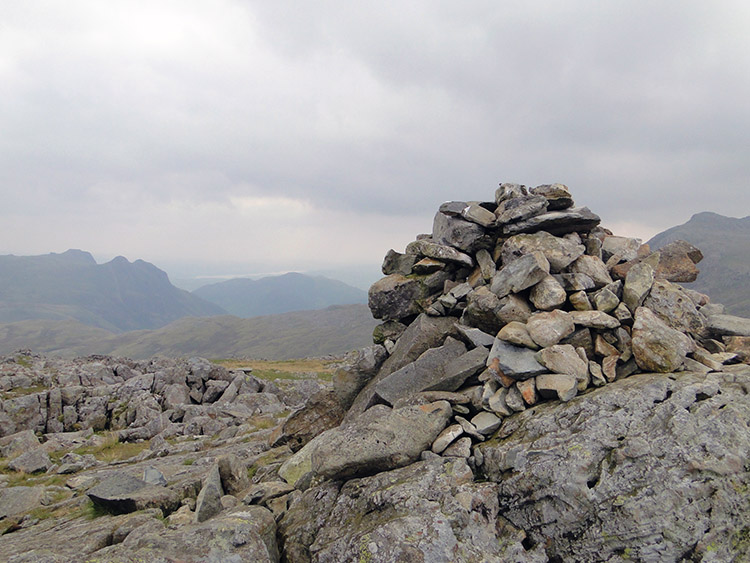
(524, 299)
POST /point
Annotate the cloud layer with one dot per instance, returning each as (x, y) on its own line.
(287, 134)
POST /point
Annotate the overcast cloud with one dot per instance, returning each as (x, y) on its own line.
(298, 135)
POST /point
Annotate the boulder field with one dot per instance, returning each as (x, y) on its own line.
(539, 390)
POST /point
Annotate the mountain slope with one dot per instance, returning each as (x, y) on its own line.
(725, 268)
(117, 296)
(300, 334)
(247, 298)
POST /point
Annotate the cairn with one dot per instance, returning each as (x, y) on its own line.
(527, 298)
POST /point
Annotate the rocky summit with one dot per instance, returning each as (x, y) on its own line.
(539, 390)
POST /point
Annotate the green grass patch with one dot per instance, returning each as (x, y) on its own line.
(21, 391)
(111, 449)
(308, 368)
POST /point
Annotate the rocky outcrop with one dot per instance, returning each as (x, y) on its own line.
(649, 468)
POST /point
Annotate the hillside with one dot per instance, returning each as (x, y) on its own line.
(334, 330)
(118, 295)
(246, 298)
(725, 268)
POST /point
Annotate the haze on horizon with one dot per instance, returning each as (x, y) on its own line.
(249, 137)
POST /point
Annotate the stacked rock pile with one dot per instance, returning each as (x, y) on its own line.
(526, 298)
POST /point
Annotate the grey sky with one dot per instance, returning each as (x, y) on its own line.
(294, 135)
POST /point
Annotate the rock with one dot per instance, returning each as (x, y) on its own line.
(475, 337)
(460, 448)
(153, 476)
(672, 305)
(497, 403)
(479, 215)
(427, 511)
(549, 328)
(208, 504)
(520, 274)
(233, 474)
(428, 266)
(548, 294)
(395, 297)
(19, 500)
(261, 493)
(592, 267)
(394, 440)
(517, 333)
(619, 249)
(575, 219)
(519, 208)
(594, 319)
(322, 411)
(606, 301)
(121, 493)
(527, 388)
(514, 400)
(446, 438)
(638, 283)
(423, 333)
(739, 345)
(465, 236)
(20, 442)
(481, 310)
(557, 195)
(575, 282)
(628, 476)
(397, 263)
(580, 301)
(656, 346)
(562, 358)
(677, 262)
(33, 461)
(557, 386)
(513, 361)
(559, 252)
(439, 251)
(429, 372)
(247, 533)
(486, 423)
(174, 395)
(513, 308)
(728, 325)
(486, 264)
(508, 191)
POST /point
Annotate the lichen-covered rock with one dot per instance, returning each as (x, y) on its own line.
(247, 533)
(560, 253)
(395, 297)
(394, 440)
(427, 511)
(648, 468)
(656, 346)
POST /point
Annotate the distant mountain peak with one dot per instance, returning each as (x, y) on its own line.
(116, 296)
(76, 255)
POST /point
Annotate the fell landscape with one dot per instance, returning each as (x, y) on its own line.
(535, 383)
(271, 291)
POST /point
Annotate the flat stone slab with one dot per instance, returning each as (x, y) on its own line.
(122, 493)
(575, 219)
(368, 447)
(728, 325)
(427, 373)
(515, 362)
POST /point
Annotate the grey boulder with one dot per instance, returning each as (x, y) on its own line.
(393, 440)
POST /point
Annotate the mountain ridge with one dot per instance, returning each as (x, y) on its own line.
(118, 295)
(293, 291)
(725, 269)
